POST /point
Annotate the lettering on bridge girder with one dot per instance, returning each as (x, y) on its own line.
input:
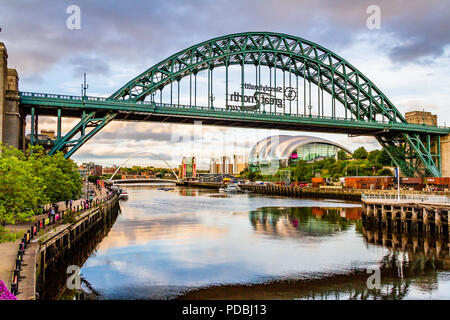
(262, 96)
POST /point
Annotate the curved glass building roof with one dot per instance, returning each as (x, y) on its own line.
(281, 147)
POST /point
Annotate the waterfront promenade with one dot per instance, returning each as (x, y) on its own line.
(331, 193)
(8, 250)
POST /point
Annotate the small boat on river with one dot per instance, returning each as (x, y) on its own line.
(123, 195)
(230, 188)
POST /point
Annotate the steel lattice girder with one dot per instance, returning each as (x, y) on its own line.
(394, 146)
(296, 55)
(397, 148)
(88, 121)
(299, 56)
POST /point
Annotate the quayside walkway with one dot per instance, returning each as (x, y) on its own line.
(392, 199)
(8, 250)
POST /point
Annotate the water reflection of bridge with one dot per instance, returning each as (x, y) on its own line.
(298, 221)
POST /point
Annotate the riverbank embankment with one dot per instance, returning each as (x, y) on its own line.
(45, 244)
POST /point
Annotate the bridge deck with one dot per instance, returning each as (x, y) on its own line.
(73, 106)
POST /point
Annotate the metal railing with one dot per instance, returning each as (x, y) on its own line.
(183, 106)
(423, 198)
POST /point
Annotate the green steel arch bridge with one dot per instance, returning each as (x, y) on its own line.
(354, 104)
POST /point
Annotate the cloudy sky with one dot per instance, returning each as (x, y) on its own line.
(408, 58)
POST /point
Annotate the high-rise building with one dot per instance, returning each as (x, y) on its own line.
(240, 163)
(228, 165)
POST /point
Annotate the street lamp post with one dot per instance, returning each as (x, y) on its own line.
(212, 98)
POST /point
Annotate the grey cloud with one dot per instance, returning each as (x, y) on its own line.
(130, 134)
(90, 65)
(119, 155)
(422, 29)
(144, 131)
(138, 34)
(152, 30)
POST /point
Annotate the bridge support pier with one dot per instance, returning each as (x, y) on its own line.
(12, 119)
(407, 219)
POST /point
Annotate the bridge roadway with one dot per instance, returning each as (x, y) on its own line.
(75, 106)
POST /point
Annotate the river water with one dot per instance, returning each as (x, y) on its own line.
(201, 244)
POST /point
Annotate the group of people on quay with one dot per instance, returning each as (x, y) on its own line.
(55, 208)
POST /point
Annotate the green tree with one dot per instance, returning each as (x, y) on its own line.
(93, 179)
(360, 153)
(21, 190)
(302, 171)
(28, 181)
(373, 156)
(384, 172)
(383, 158)
(254, 175)
(342, 155)
(60, 176)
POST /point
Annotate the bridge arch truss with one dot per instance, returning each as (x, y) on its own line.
(414, 151)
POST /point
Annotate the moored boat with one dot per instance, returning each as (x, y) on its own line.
(123, 195)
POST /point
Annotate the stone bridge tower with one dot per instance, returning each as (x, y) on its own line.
(12, 119)
(423, 117)
(445, 155)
